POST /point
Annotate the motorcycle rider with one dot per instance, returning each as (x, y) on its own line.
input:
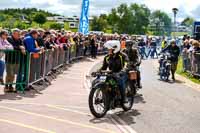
(174, 51)
(115, 61)
(134, 60)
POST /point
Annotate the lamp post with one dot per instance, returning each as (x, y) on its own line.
(175, 11)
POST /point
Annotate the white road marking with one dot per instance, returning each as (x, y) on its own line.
(26, 126)
(51, 106)
(58, 119)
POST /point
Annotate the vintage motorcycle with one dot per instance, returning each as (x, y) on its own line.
(165, 66)
(105, 94)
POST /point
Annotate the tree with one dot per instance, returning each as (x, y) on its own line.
(99, 23)
(160, 22)
(39, 18)
(56, 26)
(188, 21)
(140, 18)
(19, 25)
(133, 19)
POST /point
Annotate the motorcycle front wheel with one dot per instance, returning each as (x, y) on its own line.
(98, 102)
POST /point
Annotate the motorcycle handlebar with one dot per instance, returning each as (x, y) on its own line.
(102, 72)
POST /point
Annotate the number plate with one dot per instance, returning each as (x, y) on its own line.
(103, 78)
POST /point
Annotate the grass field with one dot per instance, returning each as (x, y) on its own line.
(179, 33)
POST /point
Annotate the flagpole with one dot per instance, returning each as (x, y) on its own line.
(80, 16)
(84, 18)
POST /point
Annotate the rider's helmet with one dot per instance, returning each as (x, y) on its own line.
(114, 45)
(173, 42)
(129, 44)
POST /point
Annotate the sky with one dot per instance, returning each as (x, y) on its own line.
(73, 7)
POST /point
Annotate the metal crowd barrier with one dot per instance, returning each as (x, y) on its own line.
(36, 67)
(14, 68)
(23, 70)
(191, 63)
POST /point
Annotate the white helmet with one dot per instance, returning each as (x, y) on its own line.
(114, 44)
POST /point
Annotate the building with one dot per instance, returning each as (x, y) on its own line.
(73, 21)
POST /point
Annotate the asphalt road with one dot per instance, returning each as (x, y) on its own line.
(59, 108)
(164, 107)
(63, 107)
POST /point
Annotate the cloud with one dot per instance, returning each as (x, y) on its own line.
(196, 12)
(73, 7)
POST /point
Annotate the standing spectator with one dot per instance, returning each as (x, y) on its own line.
(153, 49)
(123, 43)
(32, 46)
(86, 45)
(40, 38)
(13, 59)
(93, 47)
(195, 61)
(31, 43)
(163, 43)
(4, 44)
(142, 49)
(185, 55)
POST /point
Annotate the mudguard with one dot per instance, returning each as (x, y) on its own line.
(99, 84)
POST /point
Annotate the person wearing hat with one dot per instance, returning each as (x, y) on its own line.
(40, 38)
(174, 51)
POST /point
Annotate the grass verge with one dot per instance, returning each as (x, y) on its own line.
(186, 74)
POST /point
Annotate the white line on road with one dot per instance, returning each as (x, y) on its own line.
(58, 119)
(26, 126)
(37, 104)
(51, 106)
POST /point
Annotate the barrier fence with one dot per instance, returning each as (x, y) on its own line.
(191, 63)
(23, 70)
(14, 68)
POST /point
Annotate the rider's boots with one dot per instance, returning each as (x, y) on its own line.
(139, 85)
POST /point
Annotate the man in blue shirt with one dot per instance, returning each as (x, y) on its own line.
(31, 43)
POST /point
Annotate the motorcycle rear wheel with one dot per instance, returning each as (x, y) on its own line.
(127, 104)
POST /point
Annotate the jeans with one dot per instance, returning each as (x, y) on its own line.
(185, 64)
(2, 67)
(152, 52)
(142, 52)
(122, 78)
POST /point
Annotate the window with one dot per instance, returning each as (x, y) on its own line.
(72, 25)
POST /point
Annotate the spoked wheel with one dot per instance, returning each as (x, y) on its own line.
(128, 101)
(98, 102)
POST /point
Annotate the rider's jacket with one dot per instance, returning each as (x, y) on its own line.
(174, 52)
(133, 57)
(115, 62)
